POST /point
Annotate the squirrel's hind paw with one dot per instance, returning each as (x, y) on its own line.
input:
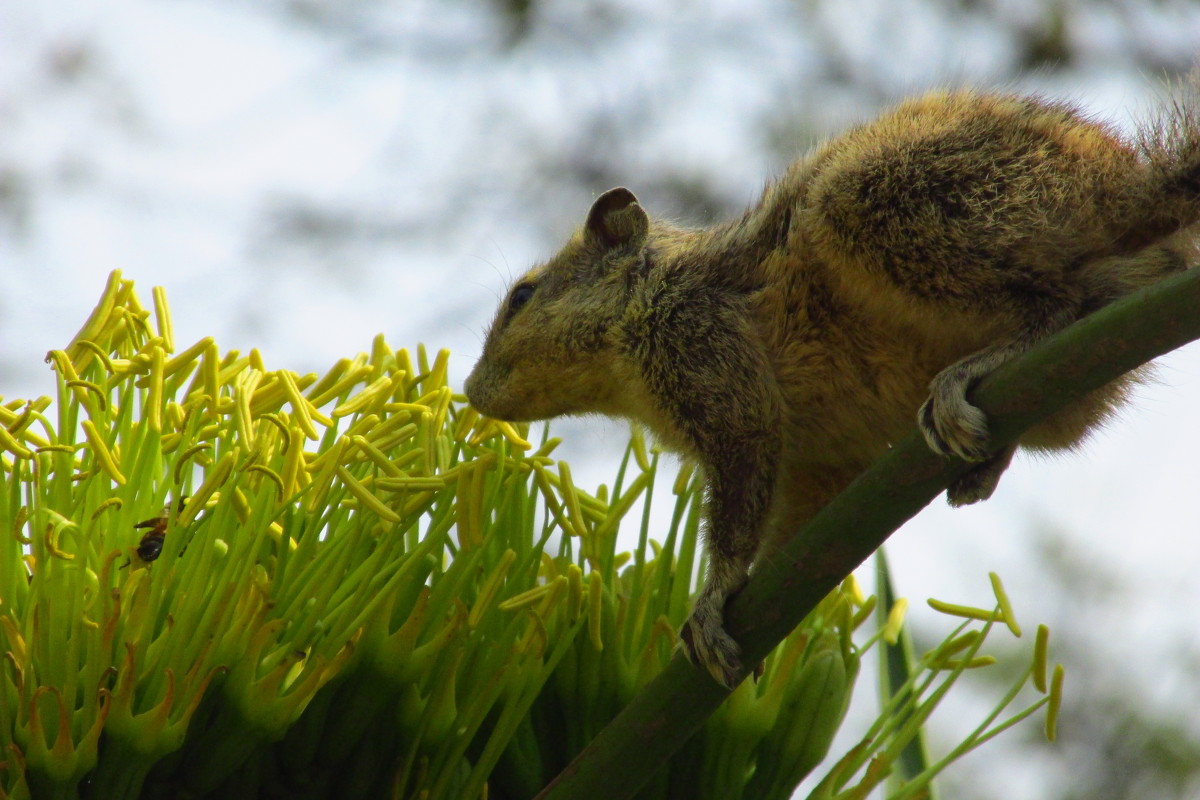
(950, 424)
(706, 644)
(980, 481)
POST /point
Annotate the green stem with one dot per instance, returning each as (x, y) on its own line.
(977, 738)
(1085, 356)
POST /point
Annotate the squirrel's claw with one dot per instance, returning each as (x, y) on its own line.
(950, 424)
(954, 427)
(706, 644)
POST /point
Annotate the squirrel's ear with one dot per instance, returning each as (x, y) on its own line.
(617, 219)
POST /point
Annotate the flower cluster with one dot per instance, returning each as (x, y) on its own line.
(220, 580)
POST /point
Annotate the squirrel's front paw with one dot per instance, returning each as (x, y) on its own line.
(706, 644)
(950, 424)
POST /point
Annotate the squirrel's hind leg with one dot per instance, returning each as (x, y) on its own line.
(703, 638)
(951, 424)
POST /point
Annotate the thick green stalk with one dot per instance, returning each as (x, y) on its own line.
(673, 706)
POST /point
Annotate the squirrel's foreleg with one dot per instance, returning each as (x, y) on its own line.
(727, 407)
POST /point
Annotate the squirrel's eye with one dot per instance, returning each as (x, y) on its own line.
(520, 296)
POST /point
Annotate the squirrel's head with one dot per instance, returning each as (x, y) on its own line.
(552, 348)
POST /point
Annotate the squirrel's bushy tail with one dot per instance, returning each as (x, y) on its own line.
(1170, 147)
(1158, 210)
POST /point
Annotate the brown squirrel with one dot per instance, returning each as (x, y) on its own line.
(870, 288)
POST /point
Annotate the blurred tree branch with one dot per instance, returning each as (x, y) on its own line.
(1085, 356)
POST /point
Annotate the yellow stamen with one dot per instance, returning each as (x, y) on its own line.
(575, 591)
(210, 368)
(410, 484)
(352, 373)
(293, 461)
(256, 361)
(487, 592)
(1010, 619)
(88, 386)
(10, 444)
(162, 318)
(571, 500)
(853, 588)
(215, 478)
(526, 598)
(974, 663)
(1039, 658)
(154, 397)
(955, 610)
(243, 392)
(1056, 684)
(104, 458)
(378, 391)
(512, 435)
(365, 497)
(622, 506)
(323, 478)
(895, 619)
(112, 502)
(272, 475)
(97, 351)
(683, 479)
(181, 360)
(377, 457)
(466, 420)
(955, 645)
(303, 410)
(638, 443)
(542, 479)
(187, 455)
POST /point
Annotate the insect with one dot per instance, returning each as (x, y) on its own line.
(151, 545)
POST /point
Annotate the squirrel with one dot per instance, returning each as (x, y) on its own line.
(869, 289)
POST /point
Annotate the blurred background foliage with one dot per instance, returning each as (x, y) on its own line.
(309, 148)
